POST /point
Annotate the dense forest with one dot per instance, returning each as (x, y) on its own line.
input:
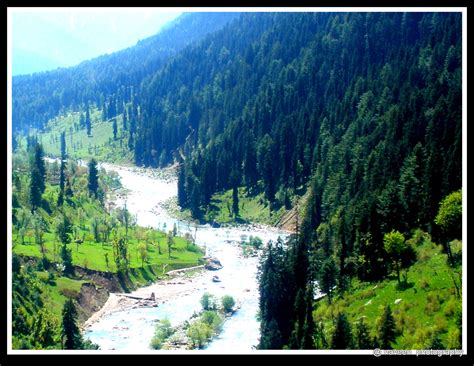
(360, 111)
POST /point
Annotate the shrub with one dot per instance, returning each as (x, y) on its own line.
(213, 320)
(199, 333)
(71, 294)
(208, 301)
(163, 331)
(424, 284)
(440, 323)
(454, 339)
(450, 308)
(255, 242)
(432, 303)
(228, 303)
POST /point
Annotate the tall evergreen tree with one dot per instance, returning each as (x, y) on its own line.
(71, 334)
(93, 182)
(182, 193)
(342, 336)
(88, 121)
(235, 201)
(362, 336)
(386, 330)
(66, 256)
(114, 128)
(62, 169)
(37, 177)
(124, 120)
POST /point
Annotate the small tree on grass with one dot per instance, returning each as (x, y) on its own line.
(449, 217)
(228, 303)
(106, 256)
(449, 220)
(143, 252)
(401, 253)
(170, 242)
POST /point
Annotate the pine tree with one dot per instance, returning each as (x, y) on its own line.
(93, 183)
(64, 230)
(328, 277)
(342, 336)
(88, 121)
(37, 177)
(114, 128)
(309, 328)
(66, 256)
(386, 331)
(71, 334)
(62, 171)
(182, 193)
(82, 120)
(124, 120)
(362, 337)
(235, 201)
(271, 337)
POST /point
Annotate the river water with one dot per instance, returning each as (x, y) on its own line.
(132, 330)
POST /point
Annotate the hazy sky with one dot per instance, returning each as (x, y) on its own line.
(66, 36)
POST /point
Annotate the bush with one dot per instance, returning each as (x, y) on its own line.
(199, 333)
(70, 294)
(450, 308)
(208, 301)
(255, 242)
(432, 303)
(454, 339)
(213, 319)
(228, 303)
(163, 331)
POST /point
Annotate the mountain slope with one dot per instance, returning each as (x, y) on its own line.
(40, 97)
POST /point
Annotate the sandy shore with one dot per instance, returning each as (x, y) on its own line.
(165, 290)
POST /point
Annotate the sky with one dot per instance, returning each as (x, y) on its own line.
(44, 39)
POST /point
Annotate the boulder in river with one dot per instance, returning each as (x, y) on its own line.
(213, 264)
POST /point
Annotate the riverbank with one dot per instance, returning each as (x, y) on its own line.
(178, 285)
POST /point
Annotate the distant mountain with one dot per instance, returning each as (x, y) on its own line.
(108, 78)
(69, 37)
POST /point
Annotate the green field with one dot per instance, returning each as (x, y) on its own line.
(100, 145)
(91, 255)
(253, 208)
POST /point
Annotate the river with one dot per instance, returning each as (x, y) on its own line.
(131, 330)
